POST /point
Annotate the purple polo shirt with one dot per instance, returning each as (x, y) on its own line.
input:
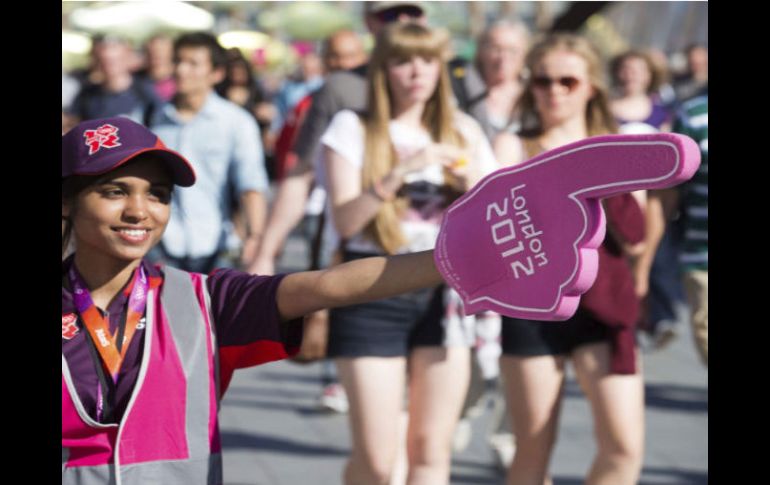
(244, 312)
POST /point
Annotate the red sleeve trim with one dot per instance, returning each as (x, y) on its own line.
(255, 353)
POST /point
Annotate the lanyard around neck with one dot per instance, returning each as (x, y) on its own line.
(98, 325)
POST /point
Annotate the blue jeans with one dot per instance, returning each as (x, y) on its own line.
(667, 301)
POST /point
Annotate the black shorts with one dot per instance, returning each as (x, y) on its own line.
(529, 337)
(387, 328)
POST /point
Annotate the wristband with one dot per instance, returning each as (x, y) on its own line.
(460, 162)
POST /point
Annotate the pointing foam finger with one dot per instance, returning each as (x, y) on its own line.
(604, 166)
(523, 241)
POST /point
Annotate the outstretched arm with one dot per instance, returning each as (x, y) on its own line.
(354, 282)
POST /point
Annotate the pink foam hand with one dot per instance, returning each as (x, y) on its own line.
(523, 241)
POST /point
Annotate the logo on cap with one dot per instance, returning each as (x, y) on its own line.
(68, 327)
(104, 136)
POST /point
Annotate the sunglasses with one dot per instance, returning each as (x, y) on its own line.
(545, 82)
(392, 14)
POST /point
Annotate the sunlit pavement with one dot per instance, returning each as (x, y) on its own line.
(274, 433)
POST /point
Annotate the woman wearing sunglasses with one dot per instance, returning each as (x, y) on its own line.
(565, 101)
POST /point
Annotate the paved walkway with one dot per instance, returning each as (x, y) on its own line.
(274, 434)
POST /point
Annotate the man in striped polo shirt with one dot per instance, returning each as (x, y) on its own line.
(692, 120)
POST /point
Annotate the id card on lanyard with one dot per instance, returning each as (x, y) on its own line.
(111, 348)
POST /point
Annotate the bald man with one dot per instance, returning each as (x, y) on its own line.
(488, 88)
(343, 50)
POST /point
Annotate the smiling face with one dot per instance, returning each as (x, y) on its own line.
(412, 80)
(561, 87)
(123, 215)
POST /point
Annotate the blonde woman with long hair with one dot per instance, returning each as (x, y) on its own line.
(564, 101)
(391, 172)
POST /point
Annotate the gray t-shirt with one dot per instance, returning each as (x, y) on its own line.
(342, 90)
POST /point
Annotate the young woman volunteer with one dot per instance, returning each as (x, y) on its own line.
(565, 101)
(379, 207)
(148, 352)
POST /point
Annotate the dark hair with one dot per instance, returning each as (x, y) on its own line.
(693, 46)
(217, 53)
(235, 60)
(70, 188)
(655, 74)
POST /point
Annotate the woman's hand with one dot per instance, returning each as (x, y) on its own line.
(249, 250)
(434, 153)
(459, 174)
(262, 265)
(641, 276)
(451, 158)
(634, 250)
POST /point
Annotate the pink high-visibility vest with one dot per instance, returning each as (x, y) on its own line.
(169, 433)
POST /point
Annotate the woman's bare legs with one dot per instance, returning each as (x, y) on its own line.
(533, 392)
(438, 383)
(617, 403)
(375, 389)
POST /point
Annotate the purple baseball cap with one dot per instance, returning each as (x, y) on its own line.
(94, 147)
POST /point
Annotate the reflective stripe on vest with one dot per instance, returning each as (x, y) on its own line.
(157, 473)
(187, 332)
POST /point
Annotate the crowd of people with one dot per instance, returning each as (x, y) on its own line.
(364, 152)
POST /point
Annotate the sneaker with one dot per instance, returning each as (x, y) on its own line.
(485, 401)
(477, 408)
(664, 336)
(462, 435)
(333, 398)
(504, 447)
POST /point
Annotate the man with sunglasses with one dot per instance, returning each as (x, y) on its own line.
(387, 12)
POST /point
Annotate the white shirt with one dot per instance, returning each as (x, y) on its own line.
(421, 222)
